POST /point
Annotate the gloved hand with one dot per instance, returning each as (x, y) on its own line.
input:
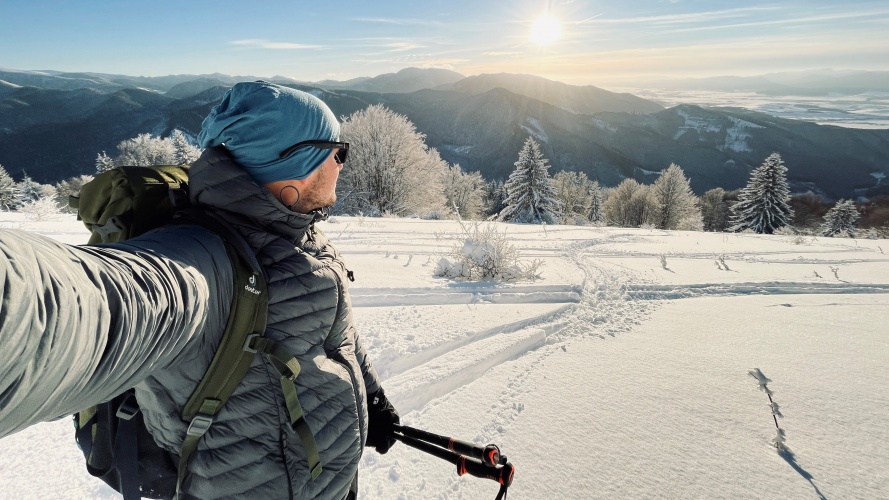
(381, 419)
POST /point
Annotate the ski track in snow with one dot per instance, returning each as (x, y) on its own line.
(612, 299)
(603, 305)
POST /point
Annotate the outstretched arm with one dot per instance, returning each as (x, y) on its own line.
(79, 325)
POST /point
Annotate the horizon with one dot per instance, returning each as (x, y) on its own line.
(571, 41)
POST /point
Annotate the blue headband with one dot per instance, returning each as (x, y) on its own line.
(257, 120)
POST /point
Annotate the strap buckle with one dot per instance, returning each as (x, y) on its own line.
(199, 425)
(249, 341)
(128, 408)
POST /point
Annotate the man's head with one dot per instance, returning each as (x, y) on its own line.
(282, 137)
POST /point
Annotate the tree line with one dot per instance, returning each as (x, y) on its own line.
(392, 172)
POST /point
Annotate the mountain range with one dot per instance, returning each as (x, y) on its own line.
(53, 124)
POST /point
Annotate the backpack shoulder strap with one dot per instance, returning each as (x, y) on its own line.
(241, 340)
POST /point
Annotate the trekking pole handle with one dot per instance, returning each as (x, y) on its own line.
(488, 455)
(501, 474)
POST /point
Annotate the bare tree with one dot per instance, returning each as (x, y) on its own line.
(465, 192)
(630, 204)
(145, 150)
(390, 169)
(676, 203)
(714, 210)
(573, 191)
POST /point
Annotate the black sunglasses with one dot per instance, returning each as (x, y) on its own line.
(341, 154)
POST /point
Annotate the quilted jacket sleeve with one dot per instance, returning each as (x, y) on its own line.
(79, 325)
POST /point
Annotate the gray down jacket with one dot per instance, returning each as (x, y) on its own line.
(79, 325)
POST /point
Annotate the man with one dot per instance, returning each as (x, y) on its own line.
(79, 325)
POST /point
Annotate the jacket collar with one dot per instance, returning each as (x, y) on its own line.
(217, 182)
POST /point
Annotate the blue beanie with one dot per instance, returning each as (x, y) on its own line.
(257, 120)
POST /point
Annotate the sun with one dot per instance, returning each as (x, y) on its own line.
(546, 30)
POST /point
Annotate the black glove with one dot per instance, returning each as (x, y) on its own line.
(381, 419)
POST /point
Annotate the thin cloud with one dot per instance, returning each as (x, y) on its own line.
(403, 46)
(707, 16)
(268, 44)
(514, 53)
(398, 21)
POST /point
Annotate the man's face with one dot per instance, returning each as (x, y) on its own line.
(315, 191)
(320, 187)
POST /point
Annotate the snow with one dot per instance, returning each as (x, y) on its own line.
(611, 376)
(736, 136)
(535, 128)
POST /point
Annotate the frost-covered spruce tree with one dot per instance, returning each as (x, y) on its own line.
(9, 191)
(842, 218)
(530, 194)
(597, 198)
(29, 191)
(184, 153)
(104, 163)
(763, 206)
(677, 206)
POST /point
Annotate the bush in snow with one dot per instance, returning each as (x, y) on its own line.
(481, 252)
(41, 209)
(842, 218)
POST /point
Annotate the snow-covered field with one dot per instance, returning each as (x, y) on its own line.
(620, 373)
(867, 110)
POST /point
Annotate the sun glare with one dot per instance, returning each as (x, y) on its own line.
(546, 30)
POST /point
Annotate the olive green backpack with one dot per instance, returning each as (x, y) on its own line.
(123, 203)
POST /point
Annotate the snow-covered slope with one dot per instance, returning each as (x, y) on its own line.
(620, 373)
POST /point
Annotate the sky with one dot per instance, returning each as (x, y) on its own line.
(583, 42)
(615, 375)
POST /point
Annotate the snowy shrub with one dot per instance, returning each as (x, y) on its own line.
(41, 209)
(481, 252)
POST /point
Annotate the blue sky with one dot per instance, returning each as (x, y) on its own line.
(601, 41)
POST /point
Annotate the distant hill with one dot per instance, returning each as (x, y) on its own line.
(585, 99)
(406, 80)
(478, 122)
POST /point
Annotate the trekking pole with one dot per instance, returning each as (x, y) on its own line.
(490, 464)
(488, 455)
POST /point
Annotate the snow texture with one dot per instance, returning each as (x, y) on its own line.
(599, 379)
